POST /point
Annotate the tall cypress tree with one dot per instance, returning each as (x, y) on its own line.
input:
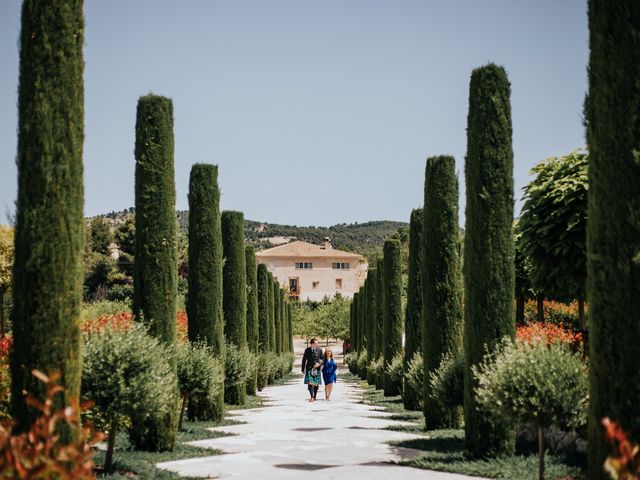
(272, 322)
(372, 301)
(290, 324)
(276, 316)
(442, 281)
(613, 228)
(489, 274)
(49, 234)
(356, 341)
(379, 320)
(234, 294)
(252, 299)
(413, 314)
(392, 311)
(264, 286)
(283, 325)
(204, 301)
(156, 265)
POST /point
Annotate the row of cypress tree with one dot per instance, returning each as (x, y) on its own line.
(434, 323)
(225, 297)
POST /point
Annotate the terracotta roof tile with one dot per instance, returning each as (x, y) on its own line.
(302, 249)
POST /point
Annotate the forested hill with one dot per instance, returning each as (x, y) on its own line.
(363, 238)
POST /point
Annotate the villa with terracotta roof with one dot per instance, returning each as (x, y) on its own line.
(312, 272)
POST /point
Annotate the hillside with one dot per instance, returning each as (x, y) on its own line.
(364, 238)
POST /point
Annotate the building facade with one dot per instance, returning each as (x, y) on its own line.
(313, 272)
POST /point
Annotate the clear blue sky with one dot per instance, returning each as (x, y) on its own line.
(316, 112)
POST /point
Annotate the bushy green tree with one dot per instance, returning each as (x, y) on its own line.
(126, 375)
(125, 235)
(488, 244)
(612, 110)
(204, 299)
(49, 230)
(413, 314)
(100, 235)
(553, 228)
(156, 264)
(392, 311)
(533, 383)
(200, 374)
(234, 296)
(237, 368)
(442, 281)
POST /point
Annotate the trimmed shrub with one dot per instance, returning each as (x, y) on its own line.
(489, 263)
(237, 367)
(535, 383)
(49, 231)
(395, 371)
(204, 299)
(442, 282)
(375, 371)
(392, 312)
(414, 378)
(126, 374)
(363, 360)
(252, 373)
(447, 381)
(156, 258)
(413, 315)
(200, 375)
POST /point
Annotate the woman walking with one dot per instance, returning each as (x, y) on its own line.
(311, 365)
(329, 368)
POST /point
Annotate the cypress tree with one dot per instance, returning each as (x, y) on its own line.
(234, 293)
(356, 342)
(290, 324)
(392, 311)
(372, 296)
(283, 324)
(276, 317)
(612, 111)
(204, 301)
(442, 281)
(263, 309)
(413, 314)
(378, 350)
(156, 265)
(272, 322)
(489, 274)
(252, 299)
(49, 234)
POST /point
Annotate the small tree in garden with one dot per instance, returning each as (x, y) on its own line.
(126, 374)
(100, 235)
(392, 311)
(125, 235)
(442, 282)
(536, 383)
(200, 373)
(553, 225)
(489, 282)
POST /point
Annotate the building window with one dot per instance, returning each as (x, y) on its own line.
(315, 284)
(293, 285)
(338, 283)
(304, 265)
(340, 266)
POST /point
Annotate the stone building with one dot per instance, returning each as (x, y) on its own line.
(312, 272)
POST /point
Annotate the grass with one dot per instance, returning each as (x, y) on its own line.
(444, 450)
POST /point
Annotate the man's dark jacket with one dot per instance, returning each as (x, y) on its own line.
(311, 357)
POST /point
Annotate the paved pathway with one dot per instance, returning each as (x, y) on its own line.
(292, 438)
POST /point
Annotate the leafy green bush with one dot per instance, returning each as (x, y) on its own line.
(533, 383)
(395, 370)
(126, 374)
(414, 377)
(351, 359)
(447, 382)
(253, 373)
(237, 366)
(375, 370)
(264, 369)
(200, 373)
(285, 363)
(363, 360)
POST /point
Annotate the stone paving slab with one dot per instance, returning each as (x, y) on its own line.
(292, 438)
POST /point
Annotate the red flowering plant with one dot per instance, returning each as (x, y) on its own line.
(41, 453)
(624, 463)
(548, 333)
(123, 320)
